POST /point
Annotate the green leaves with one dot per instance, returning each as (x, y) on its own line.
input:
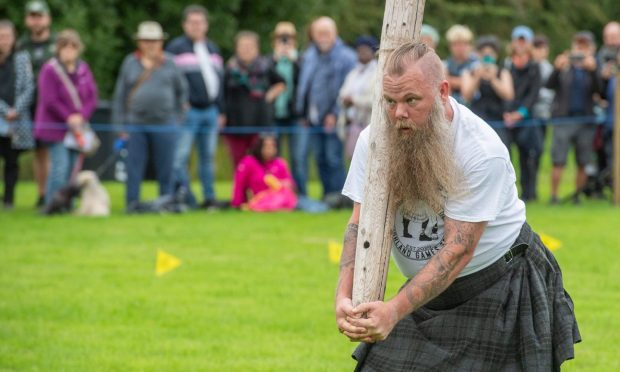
(107, 26)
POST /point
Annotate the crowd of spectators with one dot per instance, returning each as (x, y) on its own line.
(318, 98)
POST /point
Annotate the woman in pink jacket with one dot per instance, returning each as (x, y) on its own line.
(267, 177)
(67, 99)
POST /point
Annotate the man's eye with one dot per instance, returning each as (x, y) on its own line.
(411, 101)
(390, 102)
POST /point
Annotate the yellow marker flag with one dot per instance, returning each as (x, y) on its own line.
(334, 250)
(165, 263)
(551, 242)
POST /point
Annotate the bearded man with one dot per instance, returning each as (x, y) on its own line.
(483, 292)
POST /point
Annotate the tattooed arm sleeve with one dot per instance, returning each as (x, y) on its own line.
(460, 241)
(347, 259)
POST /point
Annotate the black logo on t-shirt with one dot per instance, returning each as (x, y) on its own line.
(418, 236)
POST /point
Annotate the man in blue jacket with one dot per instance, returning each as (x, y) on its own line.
(325, 65)
(200, 61)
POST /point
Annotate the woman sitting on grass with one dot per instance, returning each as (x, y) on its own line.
(267, 177)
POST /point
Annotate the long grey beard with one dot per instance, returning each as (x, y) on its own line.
(423, 168)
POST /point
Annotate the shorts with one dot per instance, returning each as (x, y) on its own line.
(579, 135)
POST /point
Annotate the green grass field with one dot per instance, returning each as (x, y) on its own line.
(254, 292)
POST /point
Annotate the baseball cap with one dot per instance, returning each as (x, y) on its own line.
(368, 41)
(37, 6)
(585, 36)
(430, 31)
(523, 32)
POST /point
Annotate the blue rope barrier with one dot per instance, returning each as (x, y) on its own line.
(167, 128)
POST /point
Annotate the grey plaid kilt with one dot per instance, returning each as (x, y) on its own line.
(510, 316)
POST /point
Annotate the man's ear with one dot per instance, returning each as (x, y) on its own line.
(444, 90)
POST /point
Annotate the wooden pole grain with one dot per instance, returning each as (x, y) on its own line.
(402, 21)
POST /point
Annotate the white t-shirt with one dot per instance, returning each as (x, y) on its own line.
(491, 196)
(207, 69)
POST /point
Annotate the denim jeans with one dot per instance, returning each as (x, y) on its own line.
(328, 150)
(298, 141)
(201, 128)
(140, 145)
(62, 161)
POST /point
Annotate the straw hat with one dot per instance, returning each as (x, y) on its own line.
(150, 30)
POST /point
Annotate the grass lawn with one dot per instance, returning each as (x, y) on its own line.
(254, 292)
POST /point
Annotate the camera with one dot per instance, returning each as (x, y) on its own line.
(610, 55)
(488, 60)
(577, 57)
(284, 39)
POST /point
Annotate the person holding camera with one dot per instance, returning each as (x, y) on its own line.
(285, 60)
(487, 86)
(575, 81)
(606, 57)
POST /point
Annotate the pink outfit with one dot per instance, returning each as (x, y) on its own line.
(271, 185)
(54, 105)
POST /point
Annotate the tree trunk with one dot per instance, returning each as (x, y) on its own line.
(402, 21)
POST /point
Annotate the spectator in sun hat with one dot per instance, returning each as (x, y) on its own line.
(150, 90)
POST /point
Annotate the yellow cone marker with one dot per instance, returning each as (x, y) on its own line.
(165, 263)
(334, 250)
(551, 242)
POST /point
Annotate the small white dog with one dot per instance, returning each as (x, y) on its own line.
(95, 200)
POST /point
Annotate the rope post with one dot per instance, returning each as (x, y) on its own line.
(402, 22)
(616, 143)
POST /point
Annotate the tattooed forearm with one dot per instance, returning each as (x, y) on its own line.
(441, 270)
(347, 259)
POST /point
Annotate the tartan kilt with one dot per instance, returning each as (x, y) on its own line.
(510, 316)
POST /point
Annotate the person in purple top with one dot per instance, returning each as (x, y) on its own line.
(58, 108)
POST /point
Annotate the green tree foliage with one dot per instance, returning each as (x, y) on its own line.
(108, 26)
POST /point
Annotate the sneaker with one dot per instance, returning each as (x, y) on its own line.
(40, 202)
(214, 205)
(554, 200)
(8, 206)
(576, 200)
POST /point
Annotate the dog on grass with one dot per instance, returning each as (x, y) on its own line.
(95, 200)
